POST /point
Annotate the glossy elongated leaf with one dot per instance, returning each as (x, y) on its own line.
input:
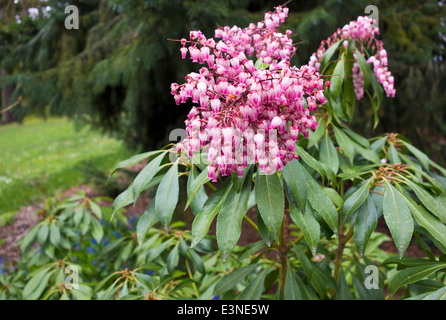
(343, 292)
(356, 137)
(196, 185)
(432, 204)
(146, 221)
(439, 294)
(43, 233)
(229, 220)
(353, 202)
(364, 67)
(350, 98)
(54, 235)
(97, 230)
(263, 230)
(291, 290)
(337, 79)
(122, 200)
(146, 175)
(365, 224)
(368, 154)
(308, 224)
(345, 143)
(295, 179)
(328, 153)
(378, 144)
(230, 280)
(212, 206)
(196, 260)
(270, 202)
(173, 258)
(329, 53)
(320, 202)
(135, 159)
(414, 274)
(427, 221)
(393, 155)
(397, 217)
(334, 196)
(310, 161)
(254, 290)
(167, 196)
(200, 196)
(424, 159)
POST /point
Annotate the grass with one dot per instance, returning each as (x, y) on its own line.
(41, 158)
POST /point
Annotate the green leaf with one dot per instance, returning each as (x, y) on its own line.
(337, 79)
(167, 196)
(229, 220)
(230, 280)
(291, 290)
(439, 294)
(378, 144)
(173, 258)
(329, 53)
(356, 137)
(196, 260)
(295, 178)
(310, 161)
(195, 188)
(411, 275)
(424, 159)
(425, 220)
(96, 209)
(270, 202)
(263, 230)
(146, 175)
(343, 292)
(254, 290)
(432, 204)
(259, 65)
(353, 202)
(344, 143)
(54, 235)
(146, 221)
(365, 224)
(368, 154)
(212, 206)
(134, 160)
(364, 67)
(321, 203)
(43, 233)
(393, 155)
(308, 224)
(37, 284)
(397, 217)
(122, 200)
(97, 230)
(334, 196)
(328, 153)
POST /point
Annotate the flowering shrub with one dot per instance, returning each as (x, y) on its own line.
(269, 136)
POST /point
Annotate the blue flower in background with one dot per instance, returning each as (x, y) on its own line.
(90, 249)
(94, 262)
(216, 298)
(132, 221)
(93, 241)
(117, 234)
(2, 270)
(105, 242)
(149, 272)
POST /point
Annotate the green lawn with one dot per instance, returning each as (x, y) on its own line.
(41, 158)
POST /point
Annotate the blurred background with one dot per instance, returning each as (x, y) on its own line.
(113, 74)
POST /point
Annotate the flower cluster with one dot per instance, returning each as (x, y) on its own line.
(247, 113)
(363, 32)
